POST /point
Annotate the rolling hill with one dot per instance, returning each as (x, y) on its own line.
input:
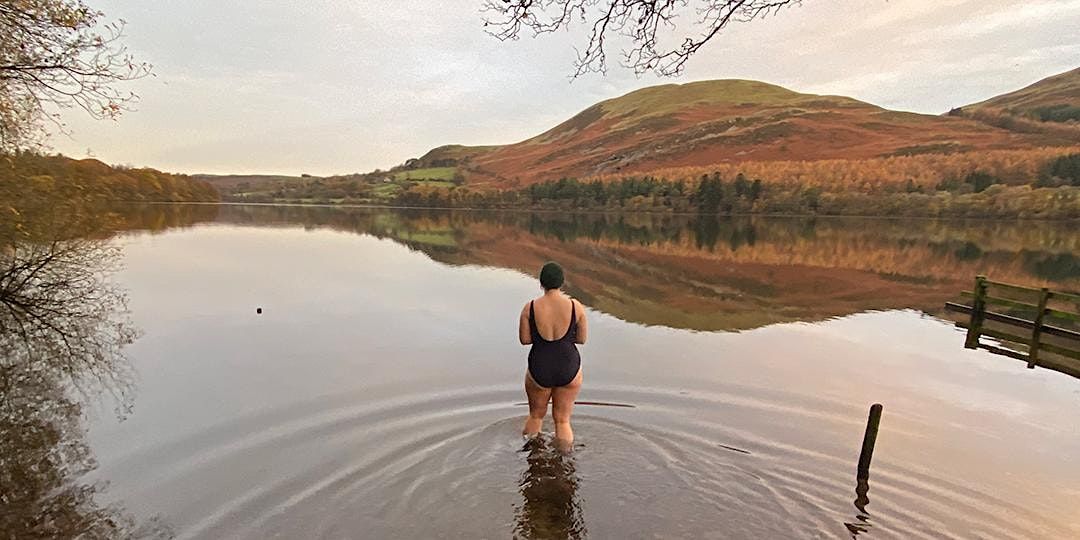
(723, 121)
(234, 181)
(52, 180)
(1053, 99)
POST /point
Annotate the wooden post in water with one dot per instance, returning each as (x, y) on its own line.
(869, 439)
(1036, 333)
(978, 307)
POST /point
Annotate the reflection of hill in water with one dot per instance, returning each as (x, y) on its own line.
(720, 274)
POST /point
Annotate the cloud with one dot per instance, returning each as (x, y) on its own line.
(329, 86)
(1018, 18)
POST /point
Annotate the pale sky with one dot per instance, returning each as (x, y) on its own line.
(339, 86)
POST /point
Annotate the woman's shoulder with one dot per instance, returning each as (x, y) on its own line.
(577, 304)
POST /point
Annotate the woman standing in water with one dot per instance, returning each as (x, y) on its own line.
(553, 324)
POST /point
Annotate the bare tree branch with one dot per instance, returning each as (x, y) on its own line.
(642, 22)
(58, 54)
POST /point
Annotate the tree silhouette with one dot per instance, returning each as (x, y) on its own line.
(643, 22)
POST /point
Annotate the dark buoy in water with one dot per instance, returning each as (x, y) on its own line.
(258, 310)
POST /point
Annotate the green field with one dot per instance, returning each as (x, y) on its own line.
(386, 190)
(430, 173)
(435, 183)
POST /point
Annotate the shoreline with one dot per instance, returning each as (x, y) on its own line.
(585, 211)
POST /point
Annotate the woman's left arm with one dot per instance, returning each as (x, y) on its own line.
(582, 325)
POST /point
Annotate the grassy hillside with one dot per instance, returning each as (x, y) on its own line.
(451, 155)
(435, 176)
(1053, 99)
(706, 123)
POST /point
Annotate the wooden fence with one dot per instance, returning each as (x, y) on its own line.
(1027, 322)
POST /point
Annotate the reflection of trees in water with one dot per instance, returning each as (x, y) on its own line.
(550, 507)
(63, 327)
(58, 314)
(162, 217)
(1053, 266)
(708, 232)
(875, 242)
(708, 272)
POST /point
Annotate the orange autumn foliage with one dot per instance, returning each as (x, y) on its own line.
(885, 174)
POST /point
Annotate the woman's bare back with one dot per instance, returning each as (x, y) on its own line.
(552, 315)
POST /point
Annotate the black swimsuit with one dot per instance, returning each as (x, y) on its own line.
(554, 363)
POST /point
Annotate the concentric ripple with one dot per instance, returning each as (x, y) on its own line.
(646, 462)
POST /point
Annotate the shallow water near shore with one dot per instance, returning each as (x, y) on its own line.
(727, 380)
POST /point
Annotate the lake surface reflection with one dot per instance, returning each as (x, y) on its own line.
(730, 368)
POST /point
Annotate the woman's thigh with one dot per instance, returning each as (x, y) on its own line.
(562, 399)
(538, 396)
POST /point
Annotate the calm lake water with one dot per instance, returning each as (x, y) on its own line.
(732, 363)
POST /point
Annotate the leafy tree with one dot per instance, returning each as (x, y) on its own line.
(755, 189)
(710, 194)
(596, 192)
(742, 185)
(58, 54)
(1057, 113)
(678, 188)
(980, 181)
(1065, 169)
(948, 184)
(812, 199)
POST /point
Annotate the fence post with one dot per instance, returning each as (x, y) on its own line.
(978, 307)
(869, 439)
(1033, 347)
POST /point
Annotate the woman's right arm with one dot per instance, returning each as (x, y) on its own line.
(524, 335)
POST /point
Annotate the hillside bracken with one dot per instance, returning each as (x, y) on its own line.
(1038, 183)
(1034, 183)
(886, 174)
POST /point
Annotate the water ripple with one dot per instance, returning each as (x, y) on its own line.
(451, 464)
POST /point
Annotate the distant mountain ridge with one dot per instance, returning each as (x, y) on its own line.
(726, 121)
